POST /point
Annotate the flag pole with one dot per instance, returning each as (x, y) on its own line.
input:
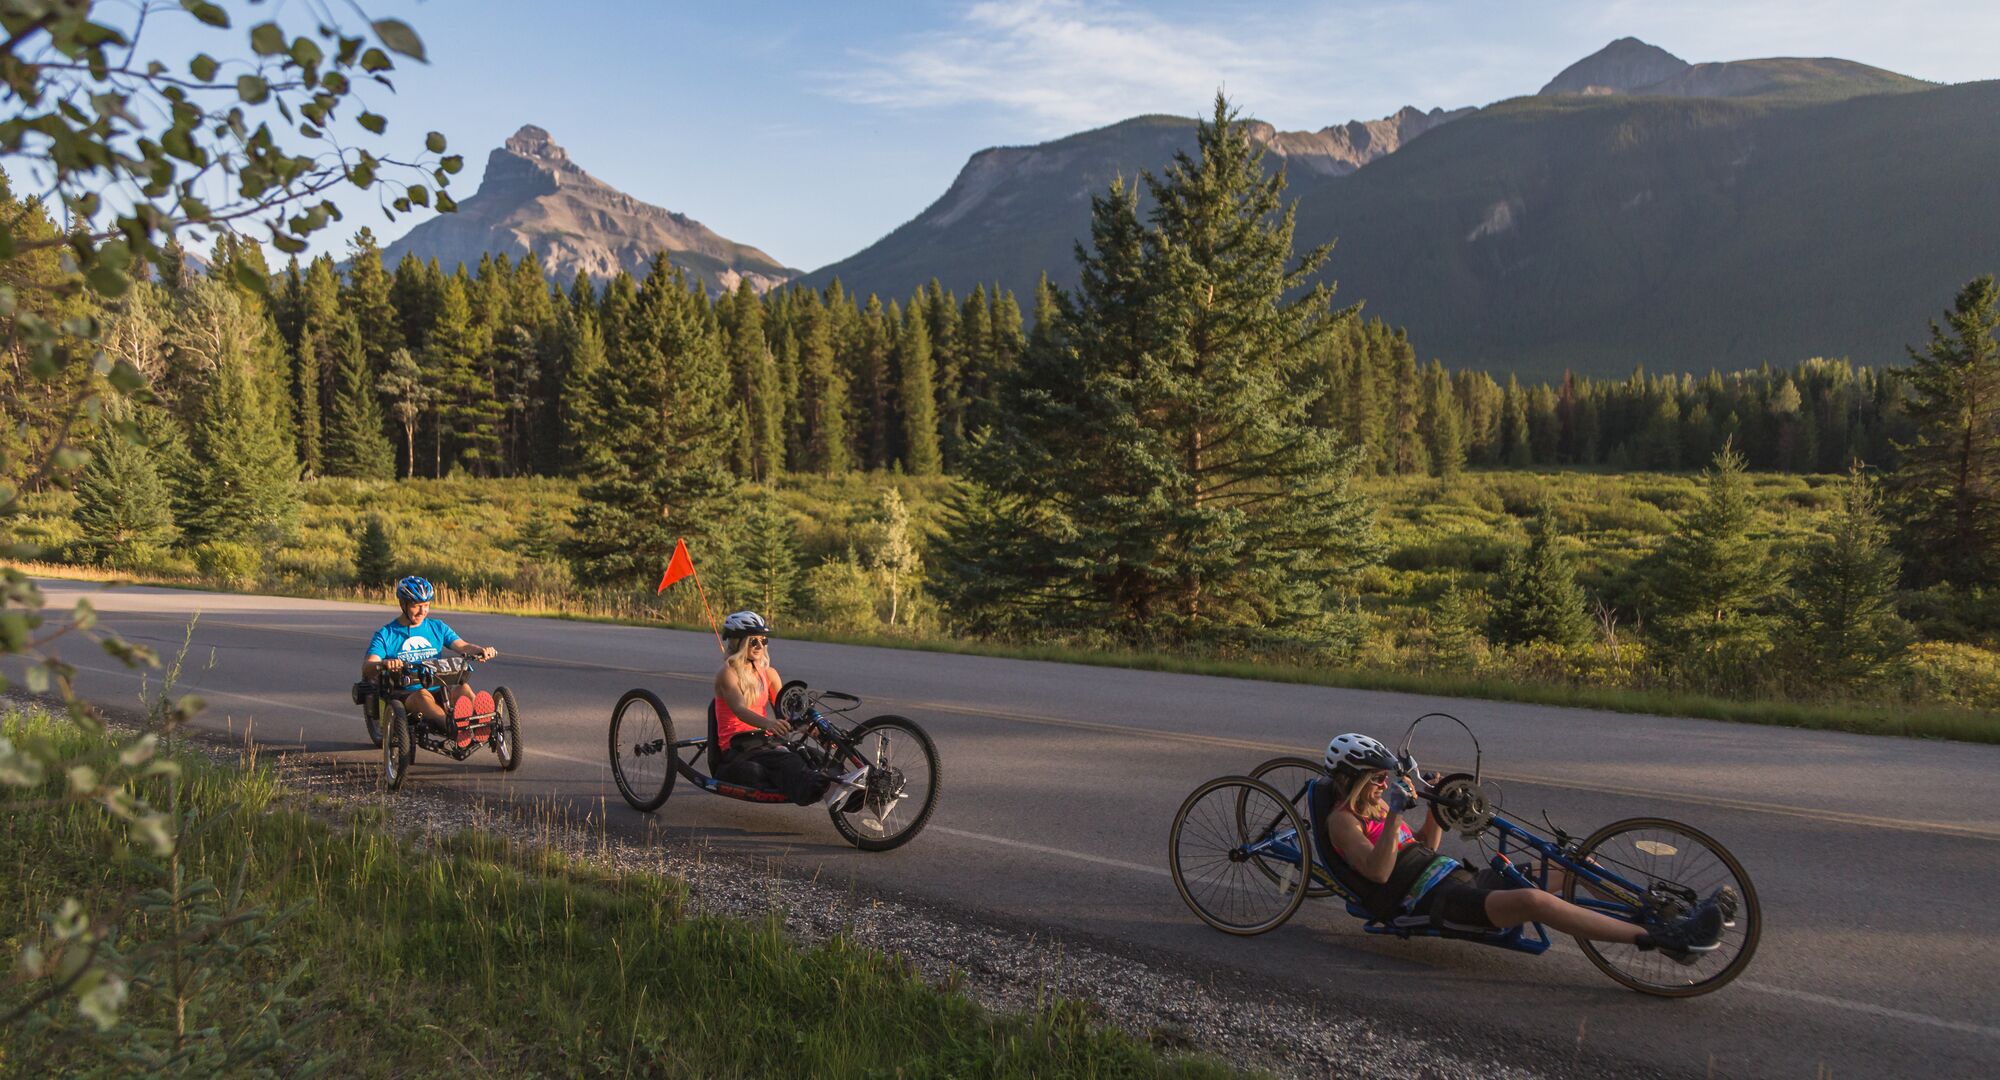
(710, 612)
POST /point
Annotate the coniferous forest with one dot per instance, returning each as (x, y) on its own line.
(1193, 451)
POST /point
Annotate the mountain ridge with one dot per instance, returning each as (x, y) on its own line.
(533, 197)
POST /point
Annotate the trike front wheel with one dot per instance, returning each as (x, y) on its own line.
(506, 738)
(1673, 866)
(902, 784)
(1240, 883)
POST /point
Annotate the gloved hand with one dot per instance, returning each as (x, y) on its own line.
(1406, 764)
(1398, 795)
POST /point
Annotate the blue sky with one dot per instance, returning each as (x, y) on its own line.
(810, 129)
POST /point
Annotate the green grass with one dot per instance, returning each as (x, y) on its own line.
(482, 956)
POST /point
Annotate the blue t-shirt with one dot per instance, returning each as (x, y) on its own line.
(409, 644)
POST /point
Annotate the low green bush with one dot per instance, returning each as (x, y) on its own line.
(228, 562)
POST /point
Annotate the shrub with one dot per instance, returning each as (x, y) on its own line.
(228, 561)
(374, 562)
(1959, 674)
(839, 594)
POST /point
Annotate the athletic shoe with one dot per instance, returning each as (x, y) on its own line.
(461, 719)
(840, 787)
(1699, 931)
(1726, 901)
(482, 705)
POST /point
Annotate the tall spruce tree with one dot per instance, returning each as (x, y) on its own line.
(1947, 489)
(122, 503)
(913, 360)
(249, 482)
(453, 358)
(822, 394)
(1715, 580)
(1839, 627)
(770, 559)
(1537, 597)
(355, 443)
(1444, 431)
(317, 345)
(1211, 505)
(659, 459)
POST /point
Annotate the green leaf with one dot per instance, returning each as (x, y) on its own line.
(107, 281)
(203, 67)
(252, 89)
(248, 277)
(206, 12)
(375, 60)
(419, 194)
(290, 245)
(452, 163)
(372, 122)
(266, 39)
(397, 35)
(363, 173)
(446, 204)
(434, 142)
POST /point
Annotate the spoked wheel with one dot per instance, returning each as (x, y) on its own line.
(371, 715)
(1239, 884)
(506, 737)
(1678, 866)
(642, 750)
(903, 784)
(397, 749)
(1288, 776)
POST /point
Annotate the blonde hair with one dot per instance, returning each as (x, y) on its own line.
(1357, 793)
(749, 681)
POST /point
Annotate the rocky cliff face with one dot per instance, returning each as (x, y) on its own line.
(534, 198)
(1343, 148)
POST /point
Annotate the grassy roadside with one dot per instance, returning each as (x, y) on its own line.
(1911, 720)
(477, 954)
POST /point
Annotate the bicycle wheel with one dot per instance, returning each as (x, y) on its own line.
(1217, 869)
(506, 737)
(1678, 865)
(1289, 776)
(642, 750)
(371, 715)
(902, 785)
(396, 750)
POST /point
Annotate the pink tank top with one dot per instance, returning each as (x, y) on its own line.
(728, 725)
(1372, 829)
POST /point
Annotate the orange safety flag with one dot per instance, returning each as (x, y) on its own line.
(678, 567)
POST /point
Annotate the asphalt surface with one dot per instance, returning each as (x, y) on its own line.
(1876, 859)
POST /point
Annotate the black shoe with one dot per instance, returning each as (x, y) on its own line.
(1684, 939)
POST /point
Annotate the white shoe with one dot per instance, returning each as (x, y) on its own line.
(842, 786)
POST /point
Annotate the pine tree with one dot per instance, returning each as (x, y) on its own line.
(122, 504)
(1189, 494)
(948, 358)
(318, 344)
(659, 460)
(1444, 432)
(1408, 455)
(896, 561)
(1538, 598)
(1947, 489)
(583, 347)
(368, 302)
(374, 560)
(410, 394)
(1838, 617)
(453, 358)
(355, 443)
(754, 384)
(249, 483)
(913, 360)
(1514, 445)
(874, 387)
(538, 540)
(1457, 641)
(1713, 579)
(823, 396)
(770, 559)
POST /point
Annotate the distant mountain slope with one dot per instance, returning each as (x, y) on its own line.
(534, 197)
(1015, 211)
(1659, 212)
(1595, 232)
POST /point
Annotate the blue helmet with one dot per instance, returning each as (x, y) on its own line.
(415, 590)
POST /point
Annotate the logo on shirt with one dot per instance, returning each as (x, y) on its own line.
(417, 648)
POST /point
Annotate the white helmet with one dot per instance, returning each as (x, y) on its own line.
(745, 624)
(1349, 756)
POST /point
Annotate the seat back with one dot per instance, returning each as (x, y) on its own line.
(1342, 878)
(713, 749)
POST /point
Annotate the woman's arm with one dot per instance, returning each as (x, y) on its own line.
(726, 689)
(1432, 834)
(1377, 861)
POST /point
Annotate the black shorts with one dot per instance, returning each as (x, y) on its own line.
(1459, 901)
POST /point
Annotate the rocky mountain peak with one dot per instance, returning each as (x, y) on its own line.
(537, 143)
(1621, 67)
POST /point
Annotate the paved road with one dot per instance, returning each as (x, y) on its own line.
(1876, 859)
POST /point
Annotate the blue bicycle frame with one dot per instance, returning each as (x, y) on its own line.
(1627, 902)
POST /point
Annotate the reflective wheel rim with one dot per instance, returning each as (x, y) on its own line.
(1227, 885)
(643, 758)
(897, 786)
(1673, 866)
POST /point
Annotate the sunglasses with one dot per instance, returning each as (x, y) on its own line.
(756, 642)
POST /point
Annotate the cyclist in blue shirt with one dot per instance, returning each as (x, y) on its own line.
(415, 636)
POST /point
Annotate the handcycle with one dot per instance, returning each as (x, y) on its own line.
(899, 792)
(494, 723)
(1242, 856)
